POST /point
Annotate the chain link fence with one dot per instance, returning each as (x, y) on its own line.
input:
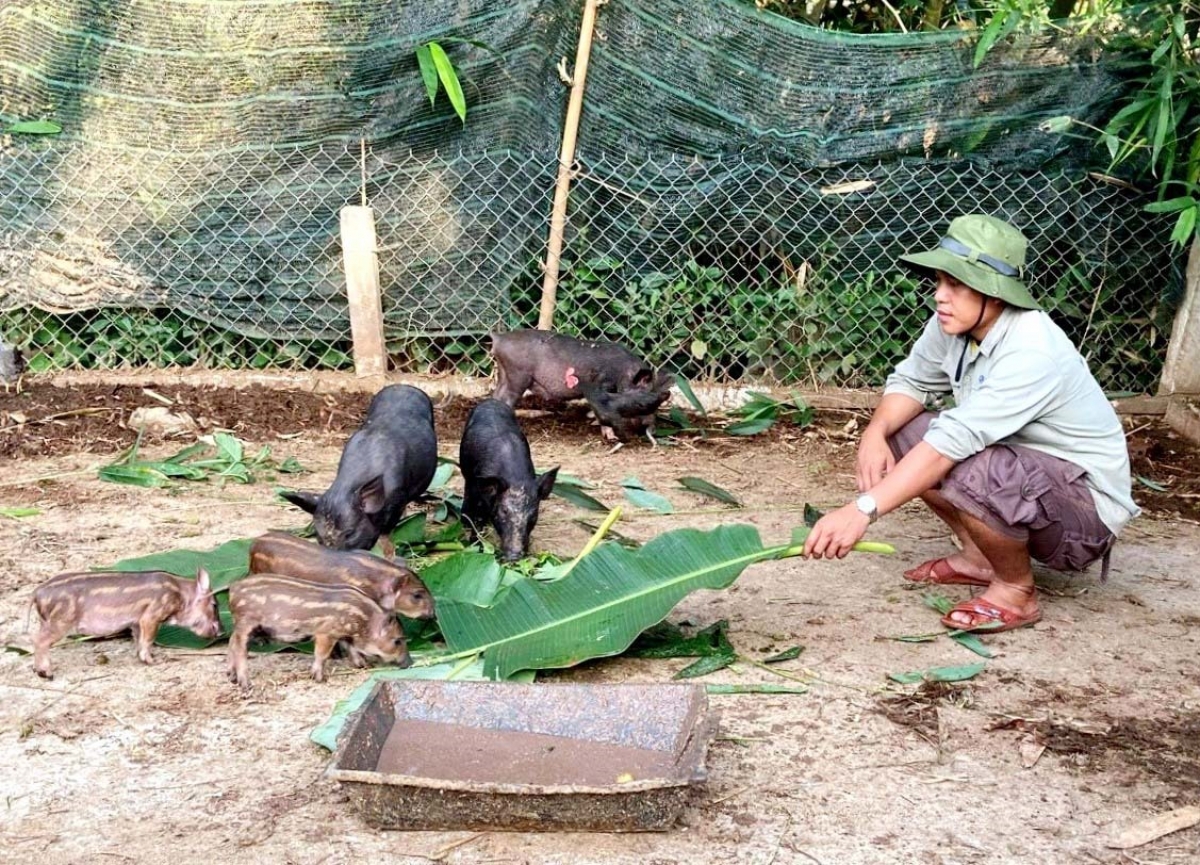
(722, 269)
(743, 189)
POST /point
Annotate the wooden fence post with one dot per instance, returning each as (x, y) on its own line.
(1181, 373)
(566, 158)
(361, 263)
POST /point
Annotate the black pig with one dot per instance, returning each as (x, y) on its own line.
(501, 488)
(387, 463)
(554, 366)
(629, 413)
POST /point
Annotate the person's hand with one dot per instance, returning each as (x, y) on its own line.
(836, 533)
(875, 460)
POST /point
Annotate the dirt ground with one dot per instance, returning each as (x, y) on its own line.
(1081, 726)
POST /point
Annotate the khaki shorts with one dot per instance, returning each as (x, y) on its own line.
(1025, 494)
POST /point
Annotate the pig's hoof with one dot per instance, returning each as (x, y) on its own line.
(45, 674)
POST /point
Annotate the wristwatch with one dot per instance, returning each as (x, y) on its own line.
(866, 505)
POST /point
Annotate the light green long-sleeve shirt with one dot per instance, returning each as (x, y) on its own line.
(1026, 384)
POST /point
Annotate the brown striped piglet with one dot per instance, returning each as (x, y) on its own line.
(288, 610)
(102, 603)
(390, 584)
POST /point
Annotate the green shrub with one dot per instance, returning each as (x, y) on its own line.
(117, 337)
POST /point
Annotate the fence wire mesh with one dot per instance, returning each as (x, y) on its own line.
(724, 269)
(188, 215)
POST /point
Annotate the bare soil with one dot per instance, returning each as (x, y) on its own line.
(1080, 726)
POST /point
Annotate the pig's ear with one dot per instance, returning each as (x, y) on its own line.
(203, 584)
(490, 490)
(370, 495)
(545, 484)
(303, 499)
(643, 377)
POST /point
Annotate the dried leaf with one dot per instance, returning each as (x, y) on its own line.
(847, 187)
(1145, 831)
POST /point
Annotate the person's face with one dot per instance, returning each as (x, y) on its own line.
(958, 307)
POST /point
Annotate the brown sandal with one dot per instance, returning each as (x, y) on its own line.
(941, 573)
(989, 617)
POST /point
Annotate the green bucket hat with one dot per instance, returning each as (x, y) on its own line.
(983, 252)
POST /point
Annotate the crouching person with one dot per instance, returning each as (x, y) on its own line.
(1029, 463)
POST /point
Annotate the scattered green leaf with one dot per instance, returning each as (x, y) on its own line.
(704, 488)
(706, 665)
(750, 427)
(579, 498)
(685, 388)
(640, 497)
(718, 689)
(623, 540)
(441, 476)
(667, 640)
(939, 674)
(968, 640)
(938, 602)
(786, 655)
(572, 481)
(134, 475)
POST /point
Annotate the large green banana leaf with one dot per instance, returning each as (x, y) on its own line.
(610, 597)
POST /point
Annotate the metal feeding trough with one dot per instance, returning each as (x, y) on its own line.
(482, 755)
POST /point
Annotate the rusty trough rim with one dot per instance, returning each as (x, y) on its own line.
(695, 748)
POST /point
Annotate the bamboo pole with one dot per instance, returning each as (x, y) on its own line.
(566, 158)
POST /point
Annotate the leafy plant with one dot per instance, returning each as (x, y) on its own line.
(437, 71)
(221, 456)
(436, 68)
(1154, 130)
(760, 412)
(113, 337)
(611, 596)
